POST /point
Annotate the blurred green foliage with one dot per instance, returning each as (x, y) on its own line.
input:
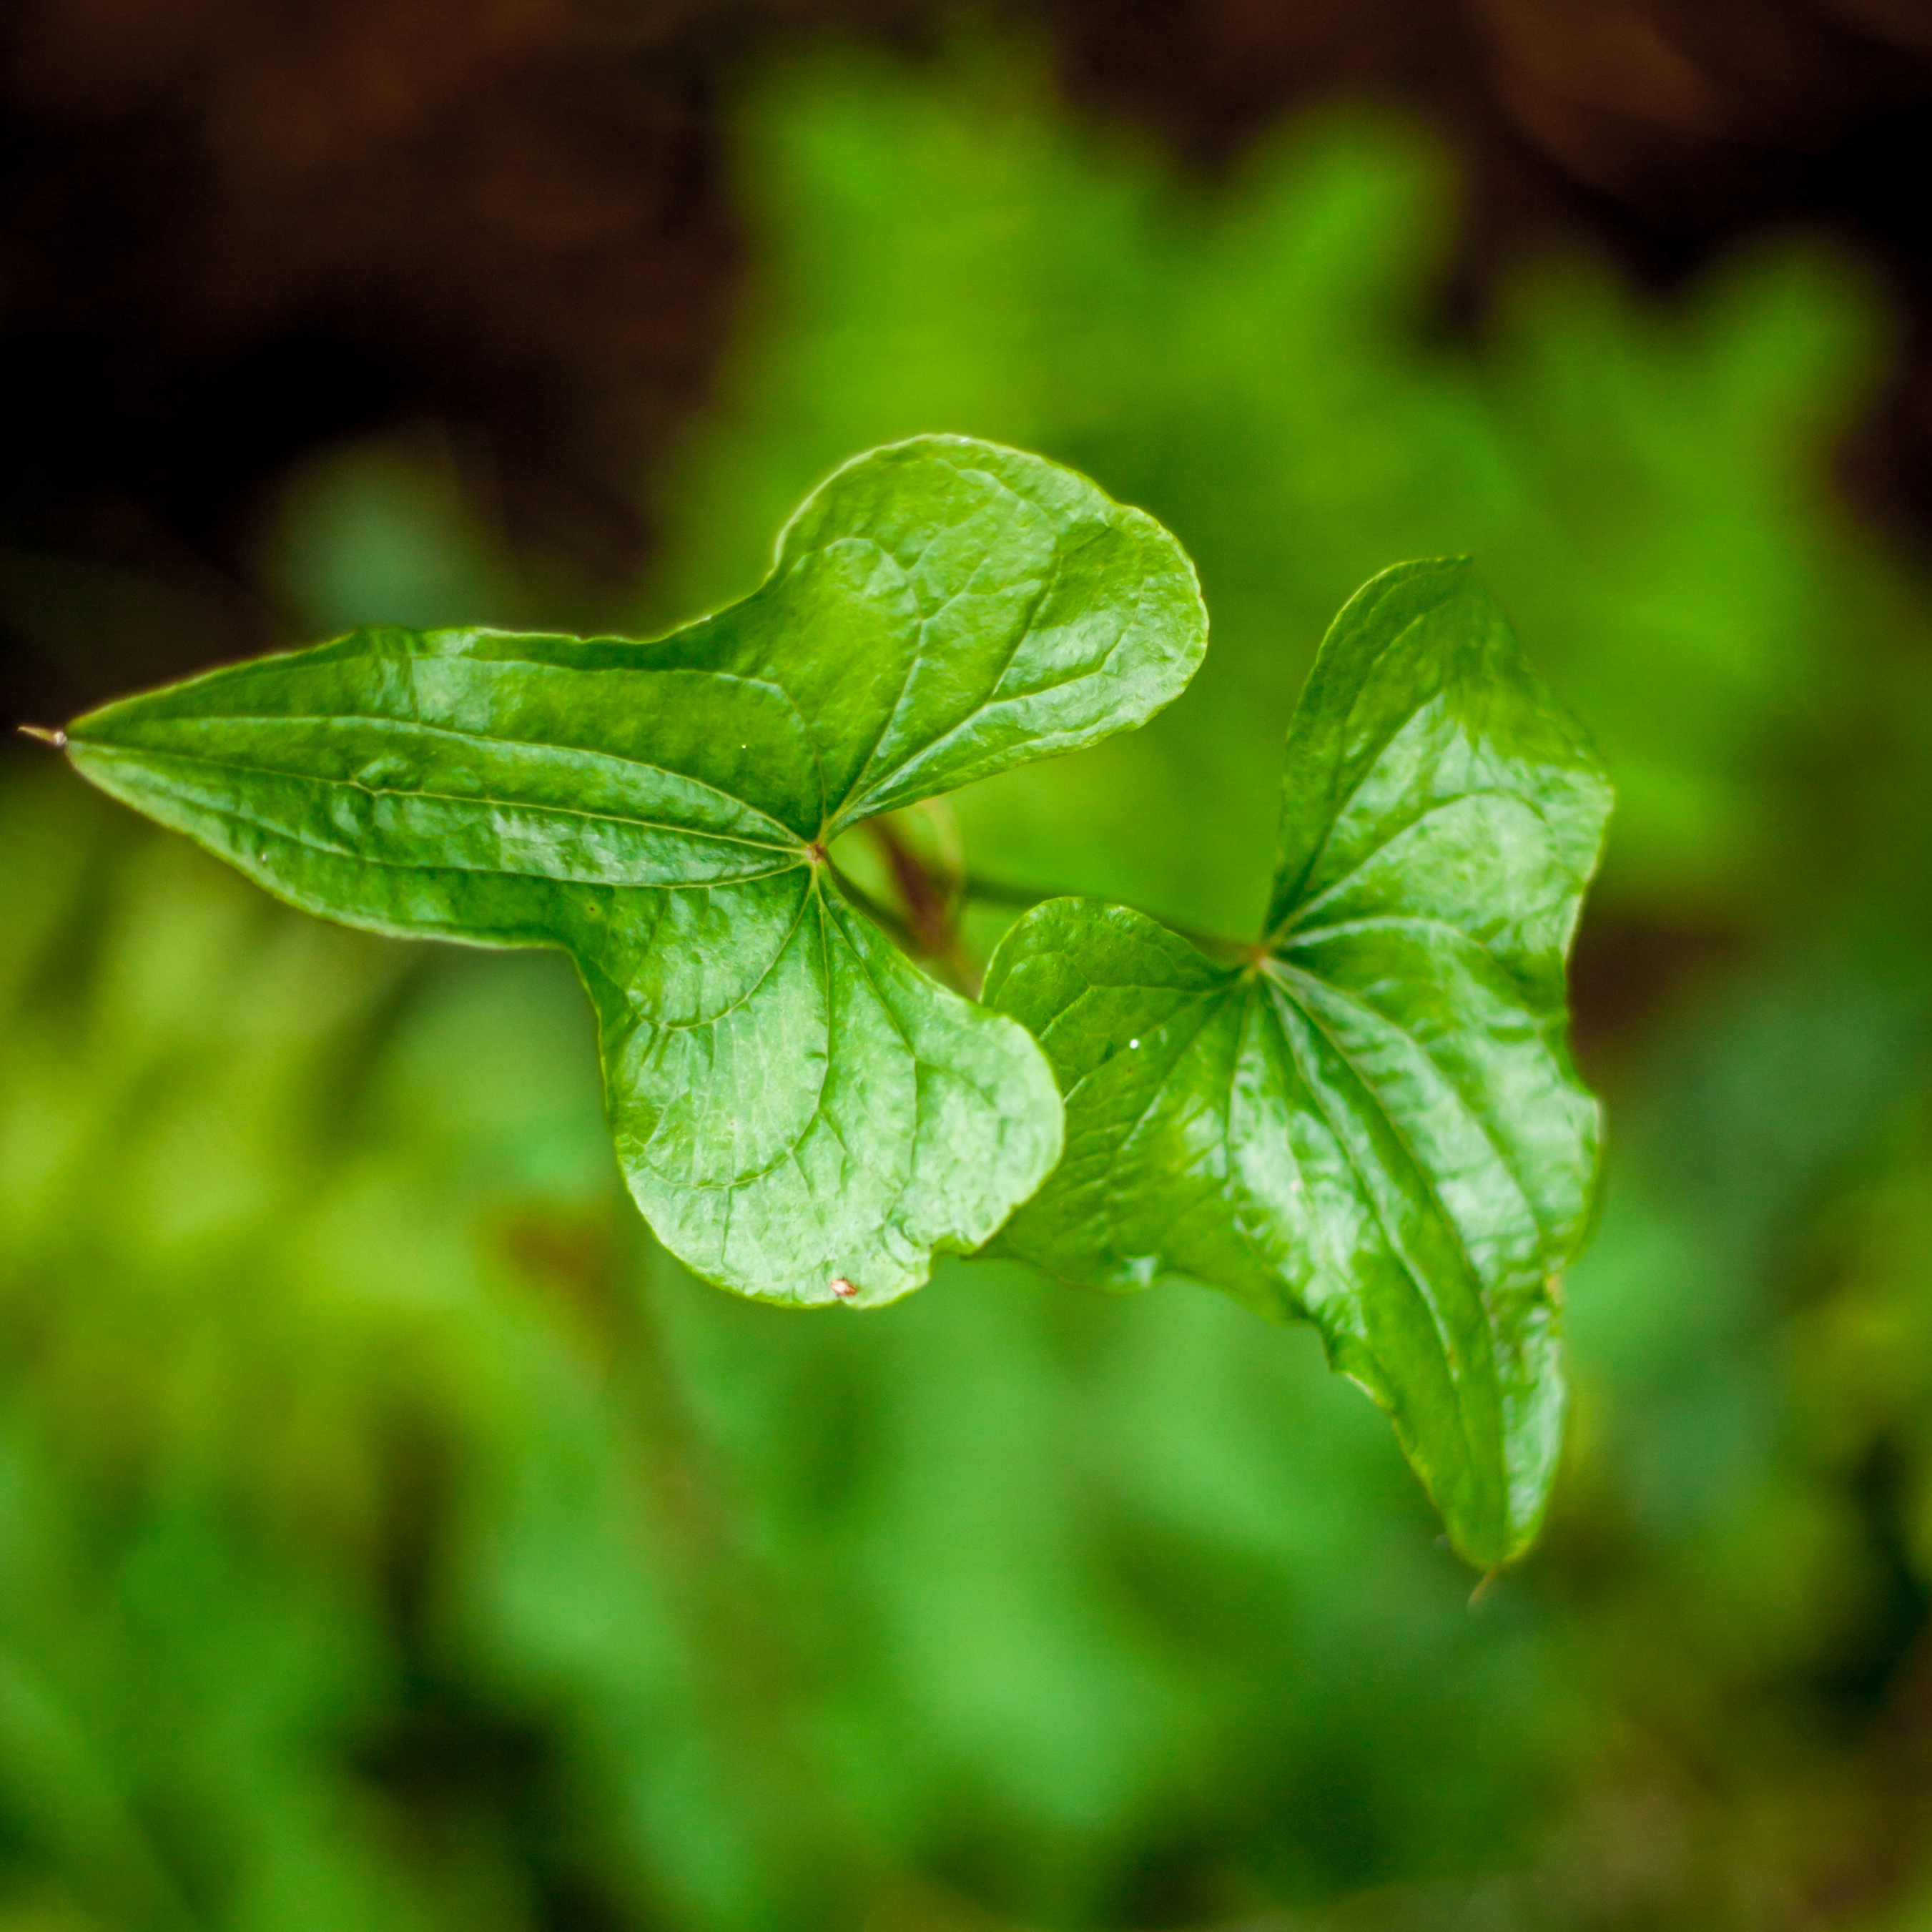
(388, 1537)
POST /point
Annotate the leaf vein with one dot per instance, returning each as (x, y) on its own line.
(1397, 1246)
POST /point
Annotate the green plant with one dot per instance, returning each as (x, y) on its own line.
(1367, 1118)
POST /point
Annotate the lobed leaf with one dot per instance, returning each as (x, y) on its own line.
(1372, 1121)
(802, 1113)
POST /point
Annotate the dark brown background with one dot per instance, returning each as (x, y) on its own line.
(231, 230)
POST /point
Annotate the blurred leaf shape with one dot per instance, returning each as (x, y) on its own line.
(1265, 367)
(802, 1115)
(1373, 1120)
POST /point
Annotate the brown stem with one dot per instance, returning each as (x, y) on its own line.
(880, 914)
(928, 905)
(932, 906)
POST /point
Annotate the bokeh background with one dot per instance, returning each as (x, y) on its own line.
(391, 1538)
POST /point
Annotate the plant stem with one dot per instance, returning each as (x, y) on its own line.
(998, 892)
(883, 915)
(929, 926)
(931, 906)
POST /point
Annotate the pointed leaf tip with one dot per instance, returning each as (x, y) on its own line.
(802, 1115)
(1378, 1127)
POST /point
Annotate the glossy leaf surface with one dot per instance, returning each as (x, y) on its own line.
(1373, 1121)
(800, 1112)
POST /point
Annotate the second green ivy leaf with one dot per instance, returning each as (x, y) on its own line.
(1372, 1121)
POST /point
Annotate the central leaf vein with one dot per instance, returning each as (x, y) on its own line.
(1416, 1277)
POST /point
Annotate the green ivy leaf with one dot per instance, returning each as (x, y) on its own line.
(1371, 1120)
(800, 1112)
